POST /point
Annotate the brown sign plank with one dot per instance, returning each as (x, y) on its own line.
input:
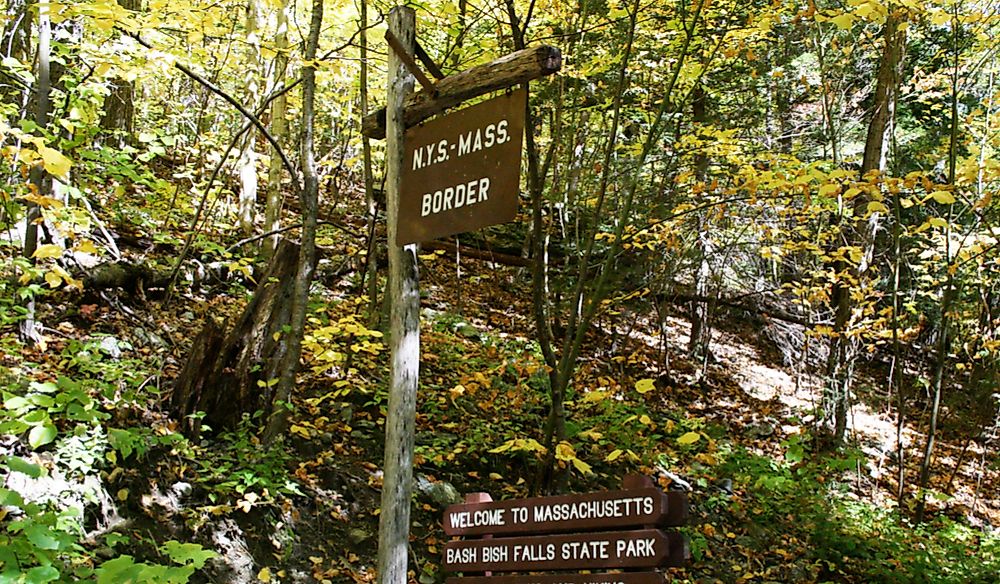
(644, 548)
(589, 511)
(600, 578)
(461, 171)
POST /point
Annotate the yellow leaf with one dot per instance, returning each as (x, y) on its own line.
(877, 207)
(645, 420)
(264, 575)
(594, 396)
(943, 197)
(844, 21)
(53, 279)
(44, 202)
(54, 162)
(49, 250)
(940, 17)
(564, 451)
(85, 246)
(689, 438)
(496, 476)
(829, 190)
(644, 385)
(615, 454)
(865, 9)
(937, 222)
(581, 466)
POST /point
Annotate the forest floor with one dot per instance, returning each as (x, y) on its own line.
(735, 433)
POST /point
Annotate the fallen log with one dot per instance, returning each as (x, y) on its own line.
(507, 71)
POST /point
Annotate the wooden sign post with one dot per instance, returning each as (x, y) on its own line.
(404, 325)
(403, 110)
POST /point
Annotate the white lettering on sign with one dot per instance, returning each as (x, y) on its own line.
(455, 197)
(495, 554)
(585, 550)
(537, 552)
(426, 156)
(628, 507)
(461, 556)
(472, 141)
(488, 517)
(635, 548)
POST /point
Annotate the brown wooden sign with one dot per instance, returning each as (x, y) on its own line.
(645, 548)
(461, 171)
(599, 578)
(585, 512)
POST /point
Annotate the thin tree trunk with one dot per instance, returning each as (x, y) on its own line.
(370, 275)
(840, 363)
(42, 182)
(404, 334)
(119, 105)
(15, 43)
(279, 129)
(309, 203)
(950, 292)
(248, 159)
(698, 343)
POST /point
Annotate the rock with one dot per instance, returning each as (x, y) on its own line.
(111, 347)
(441, 493)
(467, 330)
(357, 536)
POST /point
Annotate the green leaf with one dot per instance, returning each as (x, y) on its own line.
(187, 553)
(119, 570)
(39, 536)
(11, 498)
(42, 574)
(18, 464)
(41, 435)
(15, 403)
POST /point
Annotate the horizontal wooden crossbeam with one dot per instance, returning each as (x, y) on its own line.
(507, 71)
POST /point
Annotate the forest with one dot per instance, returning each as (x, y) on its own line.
(754, 258)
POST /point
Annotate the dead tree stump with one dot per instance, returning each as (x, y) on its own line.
(231, 374)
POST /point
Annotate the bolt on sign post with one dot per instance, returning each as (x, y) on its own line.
(591, 531)
(454, 174)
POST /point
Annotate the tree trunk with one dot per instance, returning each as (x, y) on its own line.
(229, 374)
(950, 292)
(698, 344)
(15, 43)
(840, 363)
(119, 105)
(248, 157)
(370, 275)
(309, 202)
(39, 178)
(279, 129)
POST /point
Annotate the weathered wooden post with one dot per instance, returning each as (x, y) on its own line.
(480, 189)
(404, 323)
